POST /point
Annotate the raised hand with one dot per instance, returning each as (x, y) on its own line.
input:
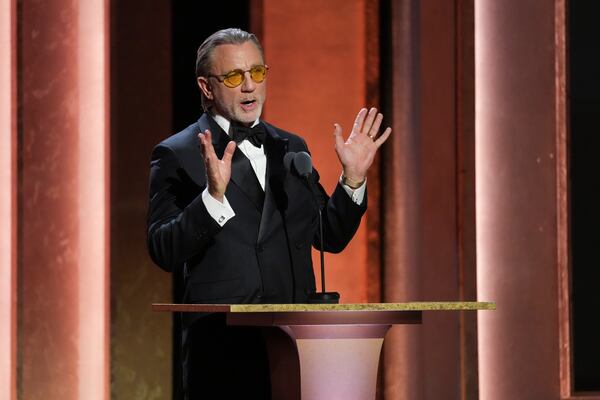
(218, 171)
(357, 153)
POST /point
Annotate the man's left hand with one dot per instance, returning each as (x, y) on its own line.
(357, 153)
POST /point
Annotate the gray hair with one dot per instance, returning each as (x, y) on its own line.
(224, 36)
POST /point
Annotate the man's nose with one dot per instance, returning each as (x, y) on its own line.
(248, 85)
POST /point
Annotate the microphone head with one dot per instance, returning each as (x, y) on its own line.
(303, 163)
(288, 159)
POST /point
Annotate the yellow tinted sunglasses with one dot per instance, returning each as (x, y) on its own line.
(235, 78)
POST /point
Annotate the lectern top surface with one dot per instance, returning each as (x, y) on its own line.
(254, 308)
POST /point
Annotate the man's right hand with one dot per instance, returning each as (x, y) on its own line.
(218, 171)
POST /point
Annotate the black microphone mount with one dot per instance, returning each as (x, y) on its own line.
(303, 165)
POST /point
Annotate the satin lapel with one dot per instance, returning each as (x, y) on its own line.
(275, 196)
(242, 174)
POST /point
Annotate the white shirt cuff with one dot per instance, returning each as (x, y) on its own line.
(357, 195)
(221, 212)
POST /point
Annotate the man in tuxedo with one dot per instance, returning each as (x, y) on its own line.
(227, 212)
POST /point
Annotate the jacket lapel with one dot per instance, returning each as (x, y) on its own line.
(245, 178)
(275, 196)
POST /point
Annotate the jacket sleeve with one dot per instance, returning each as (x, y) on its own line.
(178, 226)
(341, 216)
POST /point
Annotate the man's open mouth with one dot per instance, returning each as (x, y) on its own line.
(248, 105)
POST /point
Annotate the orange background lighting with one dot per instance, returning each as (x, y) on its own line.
(314, 81)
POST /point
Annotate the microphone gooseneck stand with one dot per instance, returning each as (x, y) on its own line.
(303, 165)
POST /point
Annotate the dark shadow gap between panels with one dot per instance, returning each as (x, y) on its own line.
(584, 139)
(194, 21)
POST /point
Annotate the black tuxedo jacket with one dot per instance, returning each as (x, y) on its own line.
(263, 254)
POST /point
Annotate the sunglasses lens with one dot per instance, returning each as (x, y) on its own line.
(258, 73)
(234, 79)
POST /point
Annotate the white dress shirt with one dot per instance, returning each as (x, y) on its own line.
(222, 212)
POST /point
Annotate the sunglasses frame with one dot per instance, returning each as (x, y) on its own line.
(222, 78)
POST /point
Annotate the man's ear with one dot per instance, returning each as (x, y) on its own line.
(205, 87)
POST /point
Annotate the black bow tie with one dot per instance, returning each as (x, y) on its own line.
(255, 135)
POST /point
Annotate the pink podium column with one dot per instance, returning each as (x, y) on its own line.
(63, 194)
(334, 353)
(516, 189)
(338, 362)
(8, 200)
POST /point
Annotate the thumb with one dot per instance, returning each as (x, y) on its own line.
(337, 135)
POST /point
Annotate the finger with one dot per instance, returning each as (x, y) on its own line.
(369, 120)
(375, 127)
(381, 139)
(358, 122)
(206, 144)
(337, 135)
(228, 154)
(202, 136)
(202, 140)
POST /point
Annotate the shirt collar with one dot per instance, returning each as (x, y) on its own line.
(225, 124)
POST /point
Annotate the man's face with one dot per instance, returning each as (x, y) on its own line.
(242, 103)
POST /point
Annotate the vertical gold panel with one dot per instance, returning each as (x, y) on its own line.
(140, 114)
(562, 199)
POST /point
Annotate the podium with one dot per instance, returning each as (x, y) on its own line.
(324, 351)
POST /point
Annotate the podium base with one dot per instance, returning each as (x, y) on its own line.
(324, 298)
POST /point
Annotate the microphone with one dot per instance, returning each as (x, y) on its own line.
(303, 165)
